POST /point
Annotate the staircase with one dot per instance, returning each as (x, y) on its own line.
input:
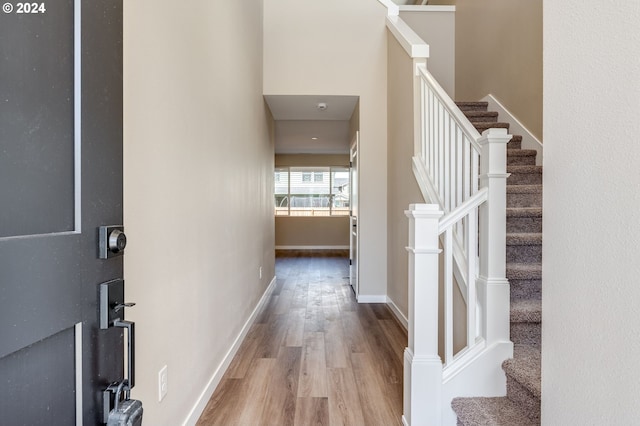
(521, 406)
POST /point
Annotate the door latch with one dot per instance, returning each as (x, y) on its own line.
(112, 307)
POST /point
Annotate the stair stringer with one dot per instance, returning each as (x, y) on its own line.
(475, 373)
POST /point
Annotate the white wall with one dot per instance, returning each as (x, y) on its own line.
(591, 314)
(198, 189)
(337, 47)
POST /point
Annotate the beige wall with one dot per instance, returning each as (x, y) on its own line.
(312, 231)
(403, 191)
(499, 52)
(198, 204)
(333, 47)
(402, 186)
(590, 270)
(438, 30)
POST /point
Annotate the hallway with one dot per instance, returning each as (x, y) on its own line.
(314, 356)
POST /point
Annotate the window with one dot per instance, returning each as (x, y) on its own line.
(312, 191)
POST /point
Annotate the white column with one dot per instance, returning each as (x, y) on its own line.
(493, 287)
(422, 365)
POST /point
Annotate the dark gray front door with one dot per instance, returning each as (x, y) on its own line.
(60, 179)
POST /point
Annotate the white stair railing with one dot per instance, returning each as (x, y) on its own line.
(463, 175)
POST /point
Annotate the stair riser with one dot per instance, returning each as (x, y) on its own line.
(524, 200)
(528, 160)
(482, 118)
(515, 143)
(525, 289)
(529, 404)
(524, 224)
(519, 178)
(526, 333)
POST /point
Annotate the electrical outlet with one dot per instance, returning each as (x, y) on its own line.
(163, 384)
(260, 272)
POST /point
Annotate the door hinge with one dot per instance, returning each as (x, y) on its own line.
(350, 262)
(350, 163)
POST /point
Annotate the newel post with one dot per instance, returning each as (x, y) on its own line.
(422, 365)
(493, 287)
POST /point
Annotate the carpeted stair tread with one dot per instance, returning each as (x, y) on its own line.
(481, 126)
(526, 310)
(473, 106)
(521, 157)
(524, 219)
(524, 175)
(524, 271)
(482, 116)
(524, 189)
(524, 195)
(524, 169)
(498, 411)
(521, 152)
(524, 368)
(524, 212)
(524, 239)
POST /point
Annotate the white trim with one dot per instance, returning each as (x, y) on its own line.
(78, 372)
(77, 113)
(408, 39)
(312, 247)
(372, 298)
(204, 397)
(529, 141)
(426, 8)
(392, 8)
(398, 313)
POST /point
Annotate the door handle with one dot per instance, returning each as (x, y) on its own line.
(131, 348)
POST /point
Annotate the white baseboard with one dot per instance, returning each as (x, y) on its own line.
(204, 397)
(529, 141)
(312, 247)
(372, 298)
(398, 313)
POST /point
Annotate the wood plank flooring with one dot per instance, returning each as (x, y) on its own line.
(314, 356)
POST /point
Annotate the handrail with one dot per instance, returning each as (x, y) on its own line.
(462, 210)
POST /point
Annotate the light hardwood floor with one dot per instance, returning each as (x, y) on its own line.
(314, 356)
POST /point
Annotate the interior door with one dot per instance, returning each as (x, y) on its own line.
(60, 179)
(353, 240)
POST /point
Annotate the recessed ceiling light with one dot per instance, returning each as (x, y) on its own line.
(314, 138)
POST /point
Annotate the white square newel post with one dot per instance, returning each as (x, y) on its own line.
(493, 287)
(422, 365)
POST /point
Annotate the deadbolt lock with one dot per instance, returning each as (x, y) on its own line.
(112, 241)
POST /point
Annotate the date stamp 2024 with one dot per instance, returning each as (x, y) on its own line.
(24, 8)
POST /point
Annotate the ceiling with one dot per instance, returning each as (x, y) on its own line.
(302, 128)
